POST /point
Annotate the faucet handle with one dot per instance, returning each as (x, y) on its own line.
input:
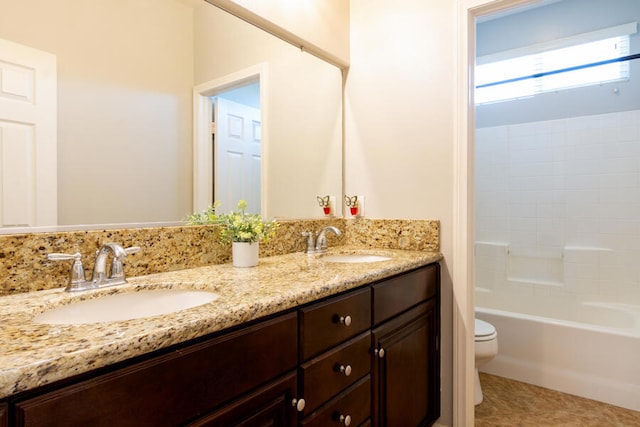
(77, 278)
(311, 237)
(132, 250)
(117, 269)
(64, 257)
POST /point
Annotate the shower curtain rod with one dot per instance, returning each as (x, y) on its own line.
(562, 70)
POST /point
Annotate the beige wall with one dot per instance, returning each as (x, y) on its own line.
(399, 122)
(124, 103)
(303, 123)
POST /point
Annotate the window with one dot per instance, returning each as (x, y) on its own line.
(519, 74)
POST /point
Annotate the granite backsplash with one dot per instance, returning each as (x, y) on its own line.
(24, 266)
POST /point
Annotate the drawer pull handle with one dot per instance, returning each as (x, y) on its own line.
(345, 320)
(299, 404)
(346, 370)
(346, 420)
(379, 352)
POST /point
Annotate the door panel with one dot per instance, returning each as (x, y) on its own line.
(405, 378)
(28, 141)
(237, 155)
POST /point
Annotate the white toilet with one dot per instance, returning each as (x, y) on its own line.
(486, 344)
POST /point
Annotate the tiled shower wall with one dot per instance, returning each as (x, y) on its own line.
(558, 206)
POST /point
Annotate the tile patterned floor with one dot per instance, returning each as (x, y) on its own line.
(509, 403)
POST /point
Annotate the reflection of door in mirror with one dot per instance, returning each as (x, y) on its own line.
(28, 161)
(237, 148)
(231, 170)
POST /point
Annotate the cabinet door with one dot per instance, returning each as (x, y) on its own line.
(4, 415)
(406, 369)
(269, 406)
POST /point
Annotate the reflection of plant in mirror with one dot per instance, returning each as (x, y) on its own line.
(243, 227)
(208, 216)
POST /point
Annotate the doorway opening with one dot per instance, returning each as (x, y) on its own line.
(555, 160)
(229, 142)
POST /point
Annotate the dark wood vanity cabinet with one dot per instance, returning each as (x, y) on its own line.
(386, 336)
(367, 357)
(184, 385)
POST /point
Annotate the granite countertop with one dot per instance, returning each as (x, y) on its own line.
(33, 355)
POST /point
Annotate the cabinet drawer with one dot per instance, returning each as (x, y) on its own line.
(355, 402)
(397, 294)
(331, 322)
(322, 377)
(174, 388)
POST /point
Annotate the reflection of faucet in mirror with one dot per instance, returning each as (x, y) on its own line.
(319, 246)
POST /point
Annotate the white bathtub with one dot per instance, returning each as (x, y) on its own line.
(594, 351)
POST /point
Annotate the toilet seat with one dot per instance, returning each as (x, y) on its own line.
(486, 348)
(484, 331)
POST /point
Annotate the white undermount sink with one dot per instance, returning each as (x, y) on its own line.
(125, 306)
(355, 258)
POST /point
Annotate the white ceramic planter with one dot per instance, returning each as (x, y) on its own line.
(244, 254)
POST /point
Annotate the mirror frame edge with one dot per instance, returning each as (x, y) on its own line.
(280, 32)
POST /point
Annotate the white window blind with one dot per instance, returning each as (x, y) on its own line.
(557, 65)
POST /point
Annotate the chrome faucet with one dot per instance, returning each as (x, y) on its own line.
(317, 242)
(321, 240)
(99, 278)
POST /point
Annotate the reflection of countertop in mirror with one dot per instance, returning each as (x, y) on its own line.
(32, 354)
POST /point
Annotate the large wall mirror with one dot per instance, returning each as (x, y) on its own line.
(126, 73)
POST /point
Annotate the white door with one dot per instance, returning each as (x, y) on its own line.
(28, 136)
(237, 155)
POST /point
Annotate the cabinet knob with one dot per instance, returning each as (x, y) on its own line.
(345, 419)
(299, 404)
(345, 320)
(346, 370)
(379, 352)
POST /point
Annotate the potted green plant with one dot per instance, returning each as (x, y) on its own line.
(207, 216)
(245, 231)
